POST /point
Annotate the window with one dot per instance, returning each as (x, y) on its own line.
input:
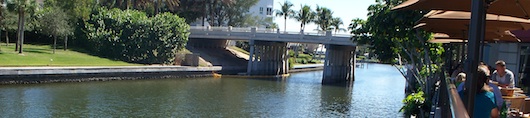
(261, 10)
(269, 11)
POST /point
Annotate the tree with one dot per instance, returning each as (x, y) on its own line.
(57, 24)
(305, 16)
(323, 18)
(22, 7)
(171, 5)
(336, 23)
(238, 11)
(285, 12)
(76, 10)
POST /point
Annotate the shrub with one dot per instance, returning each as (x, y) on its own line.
(413, 103)
(291, 53)
(305, 56)
(131, 36)
(291, 61)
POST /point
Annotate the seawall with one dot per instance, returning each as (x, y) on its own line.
(29, 75)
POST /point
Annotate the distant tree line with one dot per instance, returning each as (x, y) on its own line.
(321, 16)
(214, 12)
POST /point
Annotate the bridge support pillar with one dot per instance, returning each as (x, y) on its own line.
(339, 64)
(267, 58)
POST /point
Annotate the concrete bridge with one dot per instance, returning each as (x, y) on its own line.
(269, 54)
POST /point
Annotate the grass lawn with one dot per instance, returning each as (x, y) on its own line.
(42, 55)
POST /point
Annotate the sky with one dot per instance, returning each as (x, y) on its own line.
(345, 9)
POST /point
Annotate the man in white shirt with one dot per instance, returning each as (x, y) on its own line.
(503, 76)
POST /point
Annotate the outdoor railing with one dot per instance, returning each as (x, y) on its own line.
(450, 101)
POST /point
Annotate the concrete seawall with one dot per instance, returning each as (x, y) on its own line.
(27, 75)
(32, 75)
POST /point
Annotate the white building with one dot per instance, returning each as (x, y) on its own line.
(263, 9)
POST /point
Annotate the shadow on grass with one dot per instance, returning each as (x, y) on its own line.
(91, 53)
(37, 50)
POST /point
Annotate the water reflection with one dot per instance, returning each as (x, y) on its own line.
(377, 92)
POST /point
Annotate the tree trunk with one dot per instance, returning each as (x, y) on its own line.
(204, 13)
(213, 6)
(157, 4)
(54, 43)
(21, 21)
(7, 38)
(17, 42)
(285, 23)
(117, 4)
(303, 27)
(127, 3)
(65, 43)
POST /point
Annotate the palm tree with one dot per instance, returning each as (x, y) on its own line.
(305, 16)
(323, 18)
(285, 12)
(336, 23)
(22, 7)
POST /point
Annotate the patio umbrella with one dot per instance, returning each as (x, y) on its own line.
(515, 8)
(479, 8)
(445, 38)
(456, 24)
(452, 33)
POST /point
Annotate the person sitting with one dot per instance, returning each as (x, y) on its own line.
(495, 89)
(503, 76)
(460, 78)
(484, 103)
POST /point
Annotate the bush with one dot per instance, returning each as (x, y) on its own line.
(291, 53)
(413, 104)
(291, 61)
(305, 56)
(131, 36)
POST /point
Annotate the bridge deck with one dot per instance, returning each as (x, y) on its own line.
(228, 33)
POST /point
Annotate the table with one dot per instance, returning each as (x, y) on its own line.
(518, 100)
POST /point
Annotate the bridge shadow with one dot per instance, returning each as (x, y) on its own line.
(221, 57)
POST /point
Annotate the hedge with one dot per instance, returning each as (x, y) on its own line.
(131, 36)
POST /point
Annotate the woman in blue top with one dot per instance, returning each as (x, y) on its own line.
(484, 106)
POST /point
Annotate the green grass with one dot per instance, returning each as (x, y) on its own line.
(42, 55)
(239, 49)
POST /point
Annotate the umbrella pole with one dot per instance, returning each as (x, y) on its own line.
(476, 35)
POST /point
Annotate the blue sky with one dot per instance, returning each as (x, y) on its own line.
(345, 9)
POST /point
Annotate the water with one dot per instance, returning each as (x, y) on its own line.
(377, 92)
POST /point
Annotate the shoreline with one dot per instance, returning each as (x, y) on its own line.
(38, 75)
(35, 75)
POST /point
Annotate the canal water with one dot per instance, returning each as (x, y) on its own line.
(376, 92)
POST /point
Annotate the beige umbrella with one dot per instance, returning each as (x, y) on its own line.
(515, 8)
(490, 37)
(445, 38)
(456, 23)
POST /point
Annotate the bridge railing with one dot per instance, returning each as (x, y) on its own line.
(259, 30)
